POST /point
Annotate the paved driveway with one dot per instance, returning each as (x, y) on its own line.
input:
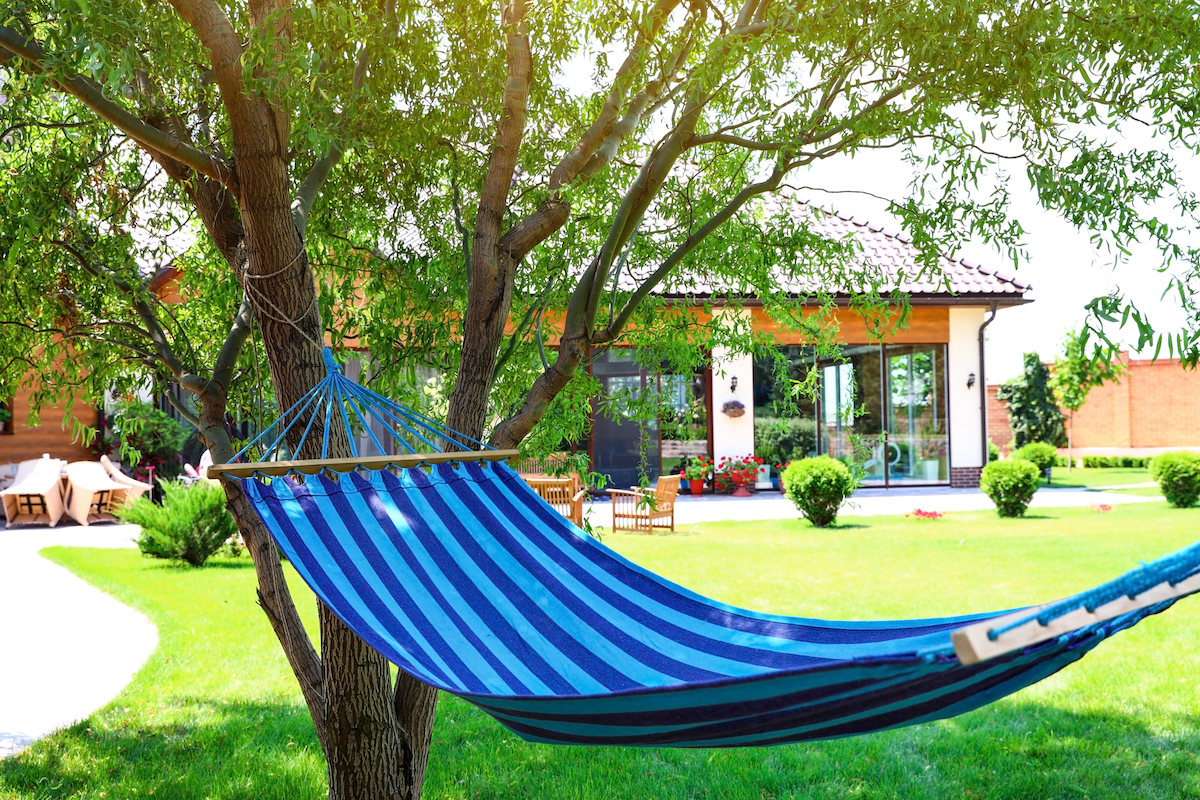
(66, 648)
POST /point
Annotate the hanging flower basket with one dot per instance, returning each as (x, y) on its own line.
(733, 408)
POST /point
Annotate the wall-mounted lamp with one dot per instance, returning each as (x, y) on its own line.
(733, 384)
(970, 380)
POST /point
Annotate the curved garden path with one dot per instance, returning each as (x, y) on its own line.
(66, 648)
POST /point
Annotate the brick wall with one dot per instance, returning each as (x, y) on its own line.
(1154, 405)
(965, 477)
(999, 431)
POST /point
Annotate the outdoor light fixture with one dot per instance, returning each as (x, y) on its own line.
(733, 384)
(970, 380)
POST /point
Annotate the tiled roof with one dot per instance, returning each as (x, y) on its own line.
(891, 255)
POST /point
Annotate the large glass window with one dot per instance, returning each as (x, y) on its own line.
(882, 404)
(785, 419)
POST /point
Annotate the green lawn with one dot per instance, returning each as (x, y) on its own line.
(214, 714)
(1092, 477)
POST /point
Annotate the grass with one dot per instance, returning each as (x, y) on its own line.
(215, 714)
(1092, 477)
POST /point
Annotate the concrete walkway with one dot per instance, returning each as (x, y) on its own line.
(866, 502)
(66, 648)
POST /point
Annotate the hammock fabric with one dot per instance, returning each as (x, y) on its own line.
(466, 579)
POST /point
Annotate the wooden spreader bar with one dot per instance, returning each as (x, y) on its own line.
(314, 466)
(972, 645)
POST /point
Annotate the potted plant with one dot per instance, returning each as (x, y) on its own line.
(930, 447)
(779, 468)
(741, 471)
(696, 472)
(733, 408)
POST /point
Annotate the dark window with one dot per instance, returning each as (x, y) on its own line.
(7, 409)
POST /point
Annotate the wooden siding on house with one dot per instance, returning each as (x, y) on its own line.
(48, 437)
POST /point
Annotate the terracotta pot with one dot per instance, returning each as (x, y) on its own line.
(740, 483)
(696, 485)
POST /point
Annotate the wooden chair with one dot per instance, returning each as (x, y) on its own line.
(645, 508)
(35, 496)
(93, 494)
(563, 494)
(133, 487)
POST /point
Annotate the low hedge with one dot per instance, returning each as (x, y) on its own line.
(1010, 484)
(818, 486)
(1178, 475)
(1113, 462)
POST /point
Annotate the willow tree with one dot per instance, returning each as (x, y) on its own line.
(426, 163)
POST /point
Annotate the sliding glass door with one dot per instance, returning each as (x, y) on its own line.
(850, 413)
(916, 409)
(882, 405)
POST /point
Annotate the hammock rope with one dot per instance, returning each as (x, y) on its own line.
(453, 568)
(338, 402)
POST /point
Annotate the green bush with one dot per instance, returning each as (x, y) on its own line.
(1111, 462)
(1040, 453)
(1010, 484)
(1178, 475)
(818, 486)
(778, 440)
(149, 438)
(993, 452)
(190, 525)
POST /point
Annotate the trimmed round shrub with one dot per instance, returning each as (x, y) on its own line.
(1041, 454)
(1178, 475)
(818, 486)
(191, 524)
(1010, 485)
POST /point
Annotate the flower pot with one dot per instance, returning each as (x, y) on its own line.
(929, 469)
(775, 482)
(741, 490)
(696, 485)
(764, 477)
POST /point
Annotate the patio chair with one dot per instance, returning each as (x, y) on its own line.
(8, 474)
(35, 496)
(133, 487)
(563, 494)
(92, 494)
(645, 508)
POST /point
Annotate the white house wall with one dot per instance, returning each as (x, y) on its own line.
(966, 435)
(732, 436)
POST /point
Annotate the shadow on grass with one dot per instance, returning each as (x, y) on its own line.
(217, 750)
(1012, 751)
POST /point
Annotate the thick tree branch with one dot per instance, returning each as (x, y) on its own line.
(238, 332)
(183, 411)
(158, 337)
(736, 141)
(92, 96)
(569, 167)
(617, 324)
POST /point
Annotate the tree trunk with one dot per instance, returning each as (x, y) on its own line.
(371, 755)
(1071, 442)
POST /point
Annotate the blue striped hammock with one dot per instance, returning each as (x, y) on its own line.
(466, 579)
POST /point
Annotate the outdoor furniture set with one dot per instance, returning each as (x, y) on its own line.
(634, 509)
(43, 489)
